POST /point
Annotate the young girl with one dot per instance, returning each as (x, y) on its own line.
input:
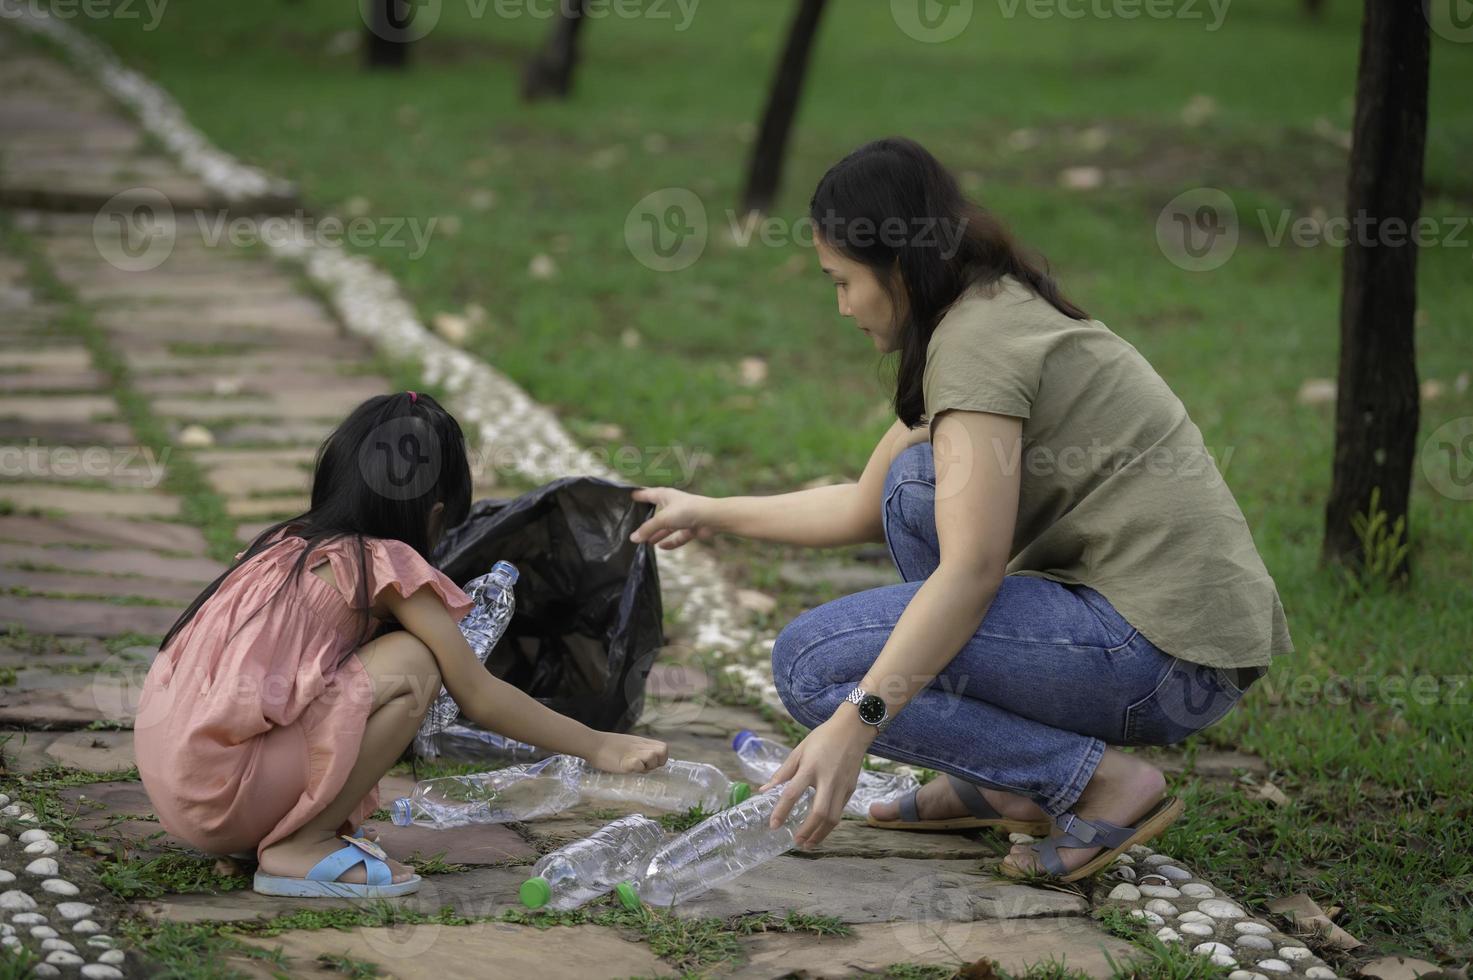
(297, 678)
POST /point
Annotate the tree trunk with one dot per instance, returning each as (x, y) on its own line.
(389, 33)
(1377, 409)
(765, 174)
(550, 72)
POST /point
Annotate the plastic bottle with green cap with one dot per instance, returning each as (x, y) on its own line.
(676, 786)
(719, 848)
(608, 859)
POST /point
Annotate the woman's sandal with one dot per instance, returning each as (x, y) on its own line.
(322, 880)
(982, 814)
(1095, 833)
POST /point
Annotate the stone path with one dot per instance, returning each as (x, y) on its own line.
(235, 373)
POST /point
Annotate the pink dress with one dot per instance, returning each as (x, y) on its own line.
(248, 725)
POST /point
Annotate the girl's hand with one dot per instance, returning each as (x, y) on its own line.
(679, 516)
(827, 759)
(627, 753)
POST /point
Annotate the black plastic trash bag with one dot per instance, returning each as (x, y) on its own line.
(588, 621)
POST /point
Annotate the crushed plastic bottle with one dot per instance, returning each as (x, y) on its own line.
(523, 792)
(605, 860)
(467, 743)
(676, 786)
(495, 602)
(720, 848)
(760, 758)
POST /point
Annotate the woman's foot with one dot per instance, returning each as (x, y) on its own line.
(1122, 790)
(938, 801)
(295, 856)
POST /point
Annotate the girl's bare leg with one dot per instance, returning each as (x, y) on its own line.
(405, 682)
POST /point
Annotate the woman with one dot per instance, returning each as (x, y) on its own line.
(1076, 573)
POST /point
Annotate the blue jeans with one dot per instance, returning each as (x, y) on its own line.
(1027, 706)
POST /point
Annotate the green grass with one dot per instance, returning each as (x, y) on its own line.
(1378, 821)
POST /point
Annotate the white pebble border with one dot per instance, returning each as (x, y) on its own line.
(1182, 908)
(34, 923)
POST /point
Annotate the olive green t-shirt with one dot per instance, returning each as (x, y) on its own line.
(1118, 491)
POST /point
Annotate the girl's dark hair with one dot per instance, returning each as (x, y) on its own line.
(938, 241)
(378, 474)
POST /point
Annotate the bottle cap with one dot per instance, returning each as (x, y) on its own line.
(507, 567)
(739, 792)
(535, 892)
(399, 812)
(742, 738)
(628, 897)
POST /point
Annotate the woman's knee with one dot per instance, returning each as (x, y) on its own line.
(401, 666)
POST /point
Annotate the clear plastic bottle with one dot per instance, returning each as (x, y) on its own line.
(676, 786)
(720, 848)
(495, 602)
(760, 758)
(523, 792)
(467, 743)
(588, 868)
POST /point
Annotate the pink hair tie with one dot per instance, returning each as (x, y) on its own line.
(413, 398)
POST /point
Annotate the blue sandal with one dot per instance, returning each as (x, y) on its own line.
(1076, 831)
(322, 880)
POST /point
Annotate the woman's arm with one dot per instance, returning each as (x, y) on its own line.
(841, 514)
(497, 706)
(976, 509)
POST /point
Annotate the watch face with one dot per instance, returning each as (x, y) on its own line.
(872, 709)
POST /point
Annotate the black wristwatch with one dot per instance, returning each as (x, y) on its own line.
(872, 708)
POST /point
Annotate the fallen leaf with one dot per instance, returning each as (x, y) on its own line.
(1302, 911)
(1270, 792)
(1396, 968)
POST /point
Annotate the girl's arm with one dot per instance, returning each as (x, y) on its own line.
(497, 706)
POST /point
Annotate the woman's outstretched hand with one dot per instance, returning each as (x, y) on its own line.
(678, 517)
(628, 753)
(828, 759)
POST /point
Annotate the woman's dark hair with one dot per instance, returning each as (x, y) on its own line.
(940, 243)
(378, 475)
